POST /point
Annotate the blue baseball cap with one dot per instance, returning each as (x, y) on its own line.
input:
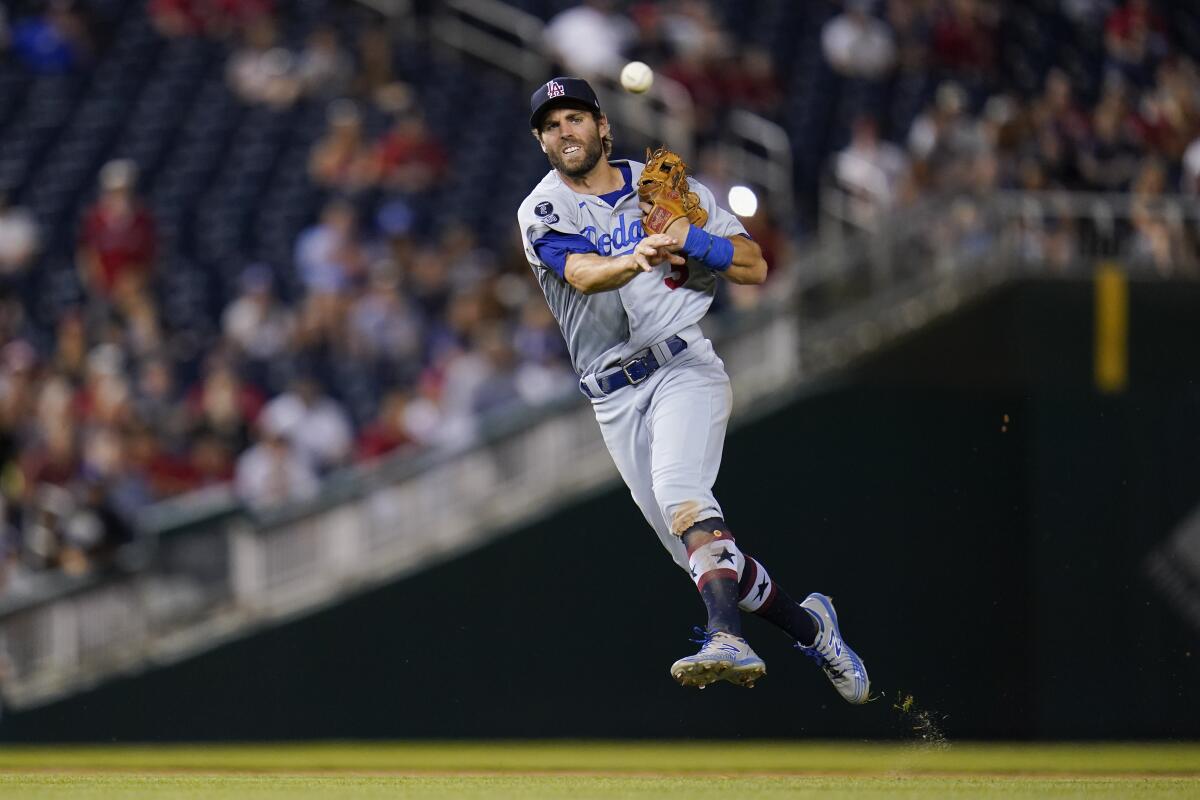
(561, 92)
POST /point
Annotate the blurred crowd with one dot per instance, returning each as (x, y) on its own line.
(108, 413)
(685, 40)
(392, 331)
(1128, 124)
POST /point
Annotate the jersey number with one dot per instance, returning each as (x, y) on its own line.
(677, 277)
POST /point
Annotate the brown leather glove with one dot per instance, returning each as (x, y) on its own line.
(664, 186)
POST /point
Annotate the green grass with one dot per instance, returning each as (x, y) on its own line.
(574, 770)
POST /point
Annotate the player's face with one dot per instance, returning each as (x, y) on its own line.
(572, 140)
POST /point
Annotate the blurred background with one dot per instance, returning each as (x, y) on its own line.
(290, 446)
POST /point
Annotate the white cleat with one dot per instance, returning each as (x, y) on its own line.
(841, 664)
(722, 656)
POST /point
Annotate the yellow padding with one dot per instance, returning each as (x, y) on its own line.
(1112, 329)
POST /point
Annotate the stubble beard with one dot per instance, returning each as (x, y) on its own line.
(593, 151)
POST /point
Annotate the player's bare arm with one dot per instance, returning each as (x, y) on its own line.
(591, 272)
(749, 266)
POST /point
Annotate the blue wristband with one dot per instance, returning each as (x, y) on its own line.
(714, 252)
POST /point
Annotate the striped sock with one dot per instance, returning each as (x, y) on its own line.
(716, 563)
(760, 595)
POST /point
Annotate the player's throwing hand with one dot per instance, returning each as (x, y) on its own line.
(654, 250)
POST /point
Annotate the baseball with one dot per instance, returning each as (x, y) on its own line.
(637, 77)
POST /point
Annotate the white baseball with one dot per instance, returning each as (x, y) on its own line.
(637, 77)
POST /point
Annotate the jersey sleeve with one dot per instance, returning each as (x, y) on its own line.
(551, 231)
(720, 222)
(554, 247)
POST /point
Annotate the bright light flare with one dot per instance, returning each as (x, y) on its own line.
(743, 201)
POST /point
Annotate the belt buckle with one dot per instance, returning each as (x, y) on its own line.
(625, 368)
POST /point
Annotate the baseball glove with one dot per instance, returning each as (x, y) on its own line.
(664, 186)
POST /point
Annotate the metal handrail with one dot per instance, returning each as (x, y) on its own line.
(472, 26)
(773, 169)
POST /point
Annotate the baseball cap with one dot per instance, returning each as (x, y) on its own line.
(560, 91)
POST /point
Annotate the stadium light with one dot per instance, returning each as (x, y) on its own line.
(743, 201)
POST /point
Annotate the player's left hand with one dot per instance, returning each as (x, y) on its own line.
(677, 230)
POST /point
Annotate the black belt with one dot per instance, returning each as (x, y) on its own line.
(637, 369)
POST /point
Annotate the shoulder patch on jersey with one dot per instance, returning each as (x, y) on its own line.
(550, 220)
(543, 208)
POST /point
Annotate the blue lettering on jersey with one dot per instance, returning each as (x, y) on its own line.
(622, 236)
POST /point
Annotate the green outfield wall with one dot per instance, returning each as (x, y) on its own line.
(979, 510)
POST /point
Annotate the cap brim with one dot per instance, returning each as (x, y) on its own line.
(535, 118)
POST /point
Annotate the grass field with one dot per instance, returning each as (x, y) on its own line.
(696, 771)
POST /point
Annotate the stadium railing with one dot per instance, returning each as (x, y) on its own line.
(212, 569)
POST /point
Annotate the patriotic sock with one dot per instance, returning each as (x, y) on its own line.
(716, 564)
(760, 595)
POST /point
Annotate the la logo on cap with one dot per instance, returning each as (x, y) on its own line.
(555, 89)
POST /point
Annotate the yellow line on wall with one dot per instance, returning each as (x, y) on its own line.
(1112, 329)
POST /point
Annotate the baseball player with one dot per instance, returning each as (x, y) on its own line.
(628, 256)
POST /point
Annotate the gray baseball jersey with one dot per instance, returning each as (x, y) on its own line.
(605, 328)
(667, 433)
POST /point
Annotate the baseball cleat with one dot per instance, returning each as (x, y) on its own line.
(841, 664)
(722, 656)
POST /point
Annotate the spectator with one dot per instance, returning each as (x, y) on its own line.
(1108, 160)
(342, 159)
(316, 425)
(1169, 113)
(118, 242)
(409, 159)
(177, 19)
(256, 322)
(387, 433)
(324, 70)
(71, 345)
(589, 39)
(18, 241)
(873, 173)
(224, 405)
(1135, 41)
(1157, 240)
(963, 41)
(261, 72)
(54, 43)
(944, 141)
(154, 470)
(329, 259)
(272, 471)
(105, 397)
(1056, 109)
(857, 45)
(543, 373)
(1190, 182)
(156, 399)
(182, 18)
(210, 460)
(383, 326)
